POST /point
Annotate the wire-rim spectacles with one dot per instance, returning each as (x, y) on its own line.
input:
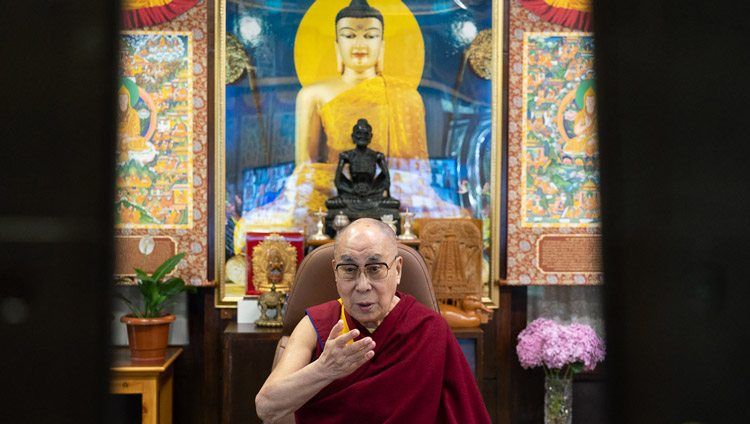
(374, 271)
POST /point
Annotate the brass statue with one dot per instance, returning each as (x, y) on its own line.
(272, 299)
(363, 193)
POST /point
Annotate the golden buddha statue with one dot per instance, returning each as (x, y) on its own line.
(327, 110)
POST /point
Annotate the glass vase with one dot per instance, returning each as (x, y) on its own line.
(558, 400)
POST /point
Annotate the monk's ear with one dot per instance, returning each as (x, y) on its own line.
(339, 60)
(399, 263)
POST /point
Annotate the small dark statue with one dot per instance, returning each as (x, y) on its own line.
(272, 299)
(364, 193)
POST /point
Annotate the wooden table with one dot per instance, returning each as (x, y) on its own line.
(248, 356)
(477, 334)
(152, 381)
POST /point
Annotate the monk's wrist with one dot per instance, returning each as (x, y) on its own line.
(322, 371)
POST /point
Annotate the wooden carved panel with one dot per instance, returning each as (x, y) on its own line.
(452, 249)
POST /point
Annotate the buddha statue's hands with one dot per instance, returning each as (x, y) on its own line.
(340, 359)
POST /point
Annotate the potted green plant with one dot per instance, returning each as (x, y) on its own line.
(148, 328)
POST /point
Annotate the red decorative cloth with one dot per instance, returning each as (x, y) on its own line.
(570, 13)
(141, 13)
(418, 375)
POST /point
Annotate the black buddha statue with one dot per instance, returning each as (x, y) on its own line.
(364, 193)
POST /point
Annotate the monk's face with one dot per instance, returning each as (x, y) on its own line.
(359, 41)
(368, 301)
(590, 102)
(123, 102)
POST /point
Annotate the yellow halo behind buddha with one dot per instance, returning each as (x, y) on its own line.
(315, 57)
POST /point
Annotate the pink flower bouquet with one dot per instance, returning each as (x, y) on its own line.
(547, 343)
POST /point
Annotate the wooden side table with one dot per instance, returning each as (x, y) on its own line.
(248, 357)
(152, 381)
(477, 334)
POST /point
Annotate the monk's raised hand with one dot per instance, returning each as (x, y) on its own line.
(340, 359)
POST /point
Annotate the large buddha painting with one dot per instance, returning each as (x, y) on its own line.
(300, 75)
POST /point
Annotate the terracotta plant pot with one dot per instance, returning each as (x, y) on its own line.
(148, 337)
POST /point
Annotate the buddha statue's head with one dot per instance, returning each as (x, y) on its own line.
(362, 133)
(360, 9)
(359, 37)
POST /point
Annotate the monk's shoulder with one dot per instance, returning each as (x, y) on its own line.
(323, 317)
(425, 319)
(325, 308)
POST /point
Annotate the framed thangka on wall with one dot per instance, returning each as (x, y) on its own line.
(155, 131)
(560, 171)
(553, 173)
(295, 84)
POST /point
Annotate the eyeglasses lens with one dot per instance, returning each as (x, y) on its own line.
(372, 271)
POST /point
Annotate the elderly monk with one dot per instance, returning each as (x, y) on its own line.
(378, 356)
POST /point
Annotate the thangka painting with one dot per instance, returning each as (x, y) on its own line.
(155, 131)
(560, 162)
(554, 232)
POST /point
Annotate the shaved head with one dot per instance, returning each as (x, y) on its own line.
(359, 225)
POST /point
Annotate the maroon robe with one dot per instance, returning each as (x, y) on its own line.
(418, 374)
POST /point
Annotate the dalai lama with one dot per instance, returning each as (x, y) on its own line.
(379, 356)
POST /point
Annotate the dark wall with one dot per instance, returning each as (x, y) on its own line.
(673, 97)
(57, 134)
(56, 179)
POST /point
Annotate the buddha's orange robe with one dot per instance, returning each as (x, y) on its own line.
(393, 109)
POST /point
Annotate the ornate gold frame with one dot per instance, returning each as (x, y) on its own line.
(227, 296)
